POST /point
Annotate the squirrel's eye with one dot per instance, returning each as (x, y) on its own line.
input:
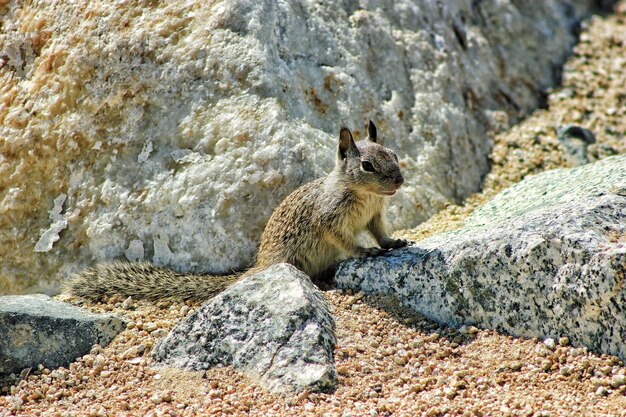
(367, 166)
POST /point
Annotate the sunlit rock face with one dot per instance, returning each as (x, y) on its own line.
(168, 131)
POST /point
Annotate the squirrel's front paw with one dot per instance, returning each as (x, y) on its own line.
(396, 243)
(364, 252)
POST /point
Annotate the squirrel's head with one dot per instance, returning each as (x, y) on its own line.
(367, 165)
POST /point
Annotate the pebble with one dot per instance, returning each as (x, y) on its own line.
(433, 337)
(215, 393)
(566, 370)
(550, 343)
(618, 381)
(602, 391)
(400, 361)
(134, 351)
(468, 330)
(128, 303)
(150, 327)
(159, 333)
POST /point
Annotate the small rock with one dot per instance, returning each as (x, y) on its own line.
(128, 303)
(575, 140)
(563, 341)
(618, 381)
(159, 333)
(400, 361)
(566, 370)
(134, 351)
(602, 391)
(37, 330)
(433, 337)
(550, 343)
(215, 393)
(468, 330)
(274, 326)
(150, 327)
(136, 361)
(343, 370)
(450, 393)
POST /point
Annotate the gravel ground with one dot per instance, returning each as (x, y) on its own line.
(390, 362)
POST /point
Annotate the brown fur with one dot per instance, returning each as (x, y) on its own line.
(313, 228)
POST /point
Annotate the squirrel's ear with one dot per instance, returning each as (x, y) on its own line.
(347, 146)
(372, 134)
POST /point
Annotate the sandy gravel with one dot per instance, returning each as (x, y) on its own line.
(389, 361)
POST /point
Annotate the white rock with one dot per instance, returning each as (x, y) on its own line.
(550, 343)
(618, 381)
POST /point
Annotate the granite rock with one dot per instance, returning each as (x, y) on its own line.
(544, 258)
(37, 330)
(168, 131)
(575, 140)
(273, 326)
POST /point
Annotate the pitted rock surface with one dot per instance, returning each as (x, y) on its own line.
(273, 326)
(35, 329)
(545, 258)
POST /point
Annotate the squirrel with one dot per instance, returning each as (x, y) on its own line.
(312, 229)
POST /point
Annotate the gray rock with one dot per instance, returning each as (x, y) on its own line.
(189, 125)
(544, 258)
(575, 140)
(37, 330)
(274, 326)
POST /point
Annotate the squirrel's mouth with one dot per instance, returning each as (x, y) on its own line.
(388, 192)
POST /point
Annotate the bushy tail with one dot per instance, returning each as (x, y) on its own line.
(142, 280)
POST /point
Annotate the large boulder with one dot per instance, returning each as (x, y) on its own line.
(35, 329)
(273, 326)
(546, 257)
(168, 131)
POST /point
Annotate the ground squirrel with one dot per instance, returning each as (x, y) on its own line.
(313, 228)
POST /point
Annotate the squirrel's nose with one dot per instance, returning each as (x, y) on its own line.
(399, 180)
